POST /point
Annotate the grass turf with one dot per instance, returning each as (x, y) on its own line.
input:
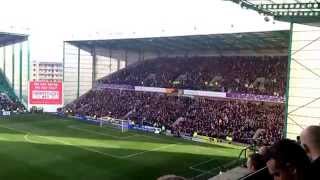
(47, 147)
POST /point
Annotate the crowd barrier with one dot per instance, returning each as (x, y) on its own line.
(185, 92)
(113, 86)
(150, 129)
(154, 89)
(5, 113)
(254, 97)
(204, 93)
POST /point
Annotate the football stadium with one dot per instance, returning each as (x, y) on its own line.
(231, 105)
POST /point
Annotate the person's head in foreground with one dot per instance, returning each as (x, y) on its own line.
(263, 150)
(255, 162)
(310, 140)
(288, 161)
(298, 139)
(171, 177)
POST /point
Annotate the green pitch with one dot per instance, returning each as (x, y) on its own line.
(40, 147)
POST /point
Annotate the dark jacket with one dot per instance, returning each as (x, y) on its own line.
(315, 169)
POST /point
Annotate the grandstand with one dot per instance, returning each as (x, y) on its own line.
(14, 71)
(178, 83)
(87, 61)
(303, 86)
(194, 105)
(217, 86)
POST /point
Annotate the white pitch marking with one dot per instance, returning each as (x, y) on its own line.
(62, 142)
(146, 151)
(203, 162)
(151, 137)
(192, 167)
(102, 134)
(93, 150)
(206, 172)
(80, 147)
(13, 129)
(202, 171)
(26, 137)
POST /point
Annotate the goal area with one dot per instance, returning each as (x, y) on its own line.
(120, 124)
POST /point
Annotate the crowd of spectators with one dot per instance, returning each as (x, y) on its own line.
(185, 115)
(8, 100)
(265, 75)
(236, 119)
(288, 159)
(284, 160)
(6, 104)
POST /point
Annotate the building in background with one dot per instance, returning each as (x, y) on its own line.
(47, 71)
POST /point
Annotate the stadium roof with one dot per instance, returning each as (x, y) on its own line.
(297, 11)
(11, 38)
(271, 40)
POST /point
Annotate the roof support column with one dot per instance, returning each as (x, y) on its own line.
(140, 55)
(94, 65)
(186, 54)
(78, 79)
(143, 55)
(28, 59)
(4, 61)
(288, 81)
(110, 58)
(126, 58)
(12, 73)
(118, 61)
(20, 71)
(118, 64)
(63, 59)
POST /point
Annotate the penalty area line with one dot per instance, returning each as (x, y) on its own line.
(26, 138)
(59, 141)
(14, 129)
(202, 172)
(202, 162)
(102, 134)
(146, 151)
(80, 147)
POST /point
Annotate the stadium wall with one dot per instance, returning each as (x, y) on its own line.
(303, 108)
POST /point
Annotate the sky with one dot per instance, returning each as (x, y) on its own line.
(50, 22)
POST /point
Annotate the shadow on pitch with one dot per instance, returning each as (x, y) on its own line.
(49, 125)
(24, 160)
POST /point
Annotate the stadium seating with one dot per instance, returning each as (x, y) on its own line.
(6, 104)
(240, 120)
(8, 100)
(264, 75)
(185, 115)
(5, 87)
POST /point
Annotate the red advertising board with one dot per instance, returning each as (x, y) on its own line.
(47, 93)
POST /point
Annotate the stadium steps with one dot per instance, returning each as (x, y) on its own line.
(127, 115)
(6, 88)
(180, 119)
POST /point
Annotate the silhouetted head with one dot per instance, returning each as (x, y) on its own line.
(287, 160)
(310, 140)
(255, 162)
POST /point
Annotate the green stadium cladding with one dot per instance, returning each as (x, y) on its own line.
(15, 65)
(303, 85)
